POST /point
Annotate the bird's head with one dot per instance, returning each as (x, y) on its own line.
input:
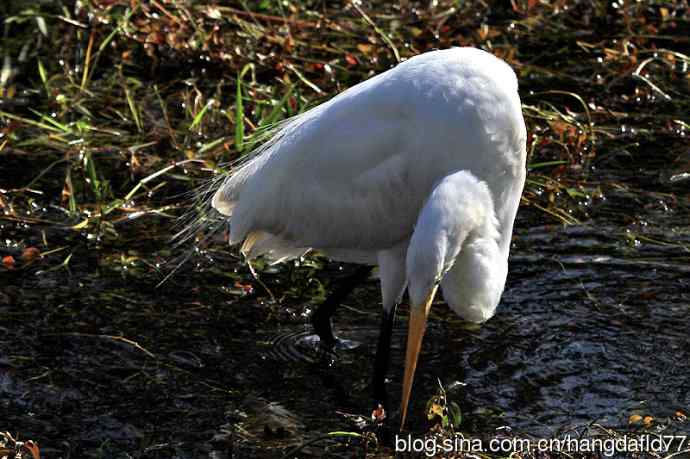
(473, 286)
(456, 244)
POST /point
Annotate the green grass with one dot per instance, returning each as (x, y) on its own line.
(232, 70)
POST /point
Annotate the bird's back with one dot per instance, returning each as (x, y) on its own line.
(354, 172)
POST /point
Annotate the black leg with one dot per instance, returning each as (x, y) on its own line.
(321, 319)
(383, 357)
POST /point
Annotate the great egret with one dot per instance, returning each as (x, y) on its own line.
(418, 170)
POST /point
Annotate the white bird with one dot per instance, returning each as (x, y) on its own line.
(418, 170)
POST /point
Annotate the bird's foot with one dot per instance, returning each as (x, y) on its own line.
(324, 337)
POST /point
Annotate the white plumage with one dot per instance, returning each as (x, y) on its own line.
(419, 170)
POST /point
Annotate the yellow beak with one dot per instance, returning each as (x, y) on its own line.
(415, 334)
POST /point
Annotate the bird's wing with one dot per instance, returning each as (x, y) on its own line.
(354, 172)
(338, 179)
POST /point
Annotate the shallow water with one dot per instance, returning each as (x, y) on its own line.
(593, 327)
(589, 329)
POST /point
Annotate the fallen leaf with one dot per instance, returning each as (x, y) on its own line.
(213, 13)
(155, 38)
(634, 419)
(33, 449)
(364, 48)
(435, 410)
(483, 31)
(247, 289)
(378, 415)
(8, 261)
(30, 253)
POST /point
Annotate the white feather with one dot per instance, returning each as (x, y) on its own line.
(351, 176)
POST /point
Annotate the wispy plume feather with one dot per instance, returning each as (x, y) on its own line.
(201, 223)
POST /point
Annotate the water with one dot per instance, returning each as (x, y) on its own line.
(589, 329)
(593, 327)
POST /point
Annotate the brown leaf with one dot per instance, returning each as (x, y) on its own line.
(365, 48)
(483, 31)
(634, 419)
(289, 43)
(8, 261)
(66, 191)
(33, 449)
(30, 254)
(247, 289)
(435, 410)
(415, 31)
(379, 414)
(156, 38)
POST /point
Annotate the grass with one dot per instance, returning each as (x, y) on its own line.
(110, 100)
(113, 111)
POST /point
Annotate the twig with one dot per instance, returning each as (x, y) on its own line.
(110, 337)
(160, 8)
(296, 449)
(263, 17)
(72, 22)
(87, 62)
(261, 283)
(654, 87)
(355, 4)
(304, 79)
(677, 453)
